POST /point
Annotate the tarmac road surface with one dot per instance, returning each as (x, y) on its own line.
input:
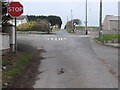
(73, 61)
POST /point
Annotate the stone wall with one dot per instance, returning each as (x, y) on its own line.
(95, 32)
(110, 31)
(91, 31)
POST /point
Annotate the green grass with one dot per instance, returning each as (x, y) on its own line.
(18, 66)
(70, 31)
(108, 37)
(83, 27)
(36, 33)
(5, 63)
(55, 29)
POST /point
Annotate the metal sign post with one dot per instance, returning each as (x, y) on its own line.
(15, 35)
(15, 9)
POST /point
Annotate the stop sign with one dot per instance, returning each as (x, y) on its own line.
(15, 9)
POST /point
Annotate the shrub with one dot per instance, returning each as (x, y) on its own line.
(26, 26)
(41, 25)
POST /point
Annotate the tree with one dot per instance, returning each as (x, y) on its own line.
(26, 26)
(41, 25)
(5, 15)
(34, 18)
(70, 25)
(77, 22)
(54, 20)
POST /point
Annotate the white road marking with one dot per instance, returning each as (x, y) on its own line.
(64, 38)
(56, 39)
(48, 38)
(59, 39)
(52, 38)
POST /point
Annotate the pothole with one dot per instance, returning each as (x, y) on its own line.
(61, 71)
(112, 71)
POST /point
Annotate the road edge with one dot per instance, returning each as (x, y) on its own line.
(28, 77)
(109, 45)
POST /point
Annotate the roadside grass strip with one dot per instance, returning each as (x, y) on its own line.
(55, 29)
(15, 66)
(70, 31)
(83, 27)
(108, 37)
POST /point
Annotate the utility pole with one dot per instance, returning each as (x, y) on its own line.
(86, 19)
(100, 21)
(72, 20)
(67, 19)
(0, 16)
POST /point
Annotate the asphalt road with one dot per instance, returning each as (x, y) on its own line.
(84, 63)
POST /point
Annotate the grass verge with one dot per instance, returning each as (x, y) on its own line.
(55, 29)
(70, 31)
(36, 33)
(83, 27)
(108, 37)
(15, 64)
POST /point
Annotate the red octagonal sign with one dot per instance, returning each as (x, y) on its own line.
(15, 9)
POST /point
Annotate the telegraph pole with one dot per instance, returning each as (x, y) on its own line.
(100, 21)
(67, 19)
(72, 20)
(0, 16)
(86, 19)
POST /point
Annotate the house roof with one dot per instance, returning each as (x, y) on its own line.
(112, 17)
(21, 17)
(115, 18)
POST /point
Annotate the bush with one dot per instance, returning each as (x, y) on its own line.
(41, 25)
(26, 26)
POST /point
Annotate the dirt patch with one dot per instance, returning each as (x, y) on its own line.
(27, 78)
(9, 69)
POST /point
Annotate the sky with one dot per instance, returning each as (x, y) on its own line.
(63, 9)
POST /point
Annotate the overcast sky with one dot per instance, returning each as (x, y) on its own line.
(63, 9)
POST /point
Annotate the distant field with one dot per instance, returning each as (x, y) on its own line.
(108, 37)
(83, 27)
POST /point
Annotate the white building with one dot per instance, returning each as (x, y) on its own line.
(20, 20)
(111, 22)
